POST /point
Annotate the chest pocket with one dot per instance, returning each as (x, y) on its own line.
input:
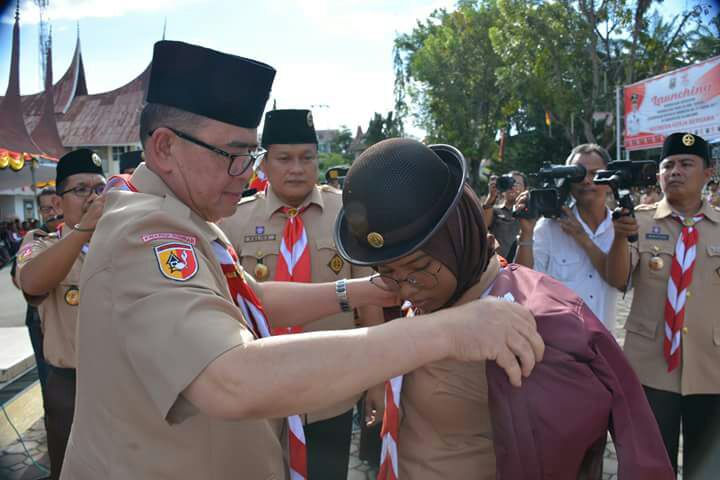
(650, 288)
(713, 253)
(266, 253)
(327, 265)
(651, 270)
(565, 266)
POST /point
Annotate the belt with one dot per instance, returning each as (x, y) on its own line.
(63, 372)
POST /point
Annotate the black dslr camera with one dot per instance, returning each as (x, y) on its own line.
(505, 183)
(548, 200)
(621, 176)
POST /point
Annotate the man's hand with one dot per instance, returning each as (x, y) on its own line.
(496, 330)
(361, 292)
(374, 404)
(572, 226)
(92, 213)
(527, 225)
(625, 225)
(492, 192)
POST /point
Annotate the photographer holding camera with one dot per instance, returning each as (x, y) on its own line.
(500, 220)
(673, 329)
(573, 247)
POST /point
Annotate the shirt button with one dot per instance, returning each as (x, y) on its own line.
(590, 275)
(563, 260)
(591, 296)
(688, 295)
(685, 330)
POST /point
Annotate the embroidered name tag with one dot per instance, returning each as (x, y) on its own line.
(150, 237)
(259, 238)
(656, 234)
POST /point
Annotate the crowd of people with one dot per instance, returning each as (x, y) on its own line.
(192, 328)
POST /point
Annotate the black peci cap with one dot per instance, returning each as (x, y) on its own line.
(397, 194)
(687, 143)
(288, 127)
(216, 85)
(82, 160)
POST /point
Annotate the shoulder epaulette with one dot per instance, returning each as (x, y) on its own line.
(330, 189)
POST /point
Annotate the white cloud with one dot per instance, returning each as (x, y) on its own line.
(77, 9)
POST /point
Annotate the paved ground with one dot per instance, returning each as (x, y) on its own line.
(15, 465)
(12, 312)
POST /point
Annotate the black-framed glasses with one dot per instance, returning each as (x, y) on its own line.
(235, 168)
(49, 209)
(85, 191)
(420, 279)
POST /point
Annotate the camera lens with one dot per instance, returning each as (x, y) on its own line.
(505, 183)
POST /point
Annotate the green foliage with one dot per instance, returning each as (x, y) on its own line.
(381, 128)
(340, 145)
(492, 64)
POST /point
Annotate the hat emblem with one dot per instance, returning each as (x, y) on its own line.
(309, 119)
(375, 240)
(333, 174)
(688, 140)
(96, 160)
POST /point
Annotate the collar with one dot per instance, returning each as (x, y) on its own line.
(486, 280)
(273, 202)
(147, 181)
(602, 228)
(664, 209)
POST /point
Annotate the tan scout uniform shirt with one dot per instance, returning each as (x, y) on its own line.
(445, 428)
(698, 372)
(256, 232)
(144, 338)
(58, 309)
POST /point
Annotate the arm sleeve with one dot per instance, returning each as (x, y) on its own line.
(171, 330)
(541, 246)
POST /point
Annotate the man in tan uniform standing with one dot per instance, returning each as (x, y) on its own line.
(177, 376)
(261, 232)
(49, 276)
(673, 330)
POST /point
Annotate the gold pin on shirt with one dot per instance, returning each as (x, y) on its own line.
(656, 262)
(72, 296)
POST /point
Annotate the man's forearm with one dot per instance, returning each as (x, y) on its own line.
(295, 304)
(618, 264)
(597, 257)
(277, 376)
(43, 273)
(524, 255)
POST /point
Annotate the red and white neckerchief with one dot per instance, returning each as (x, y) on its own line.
(294, 260)
(681, 271)
(253, 311)
(259, 181)
(391, 422)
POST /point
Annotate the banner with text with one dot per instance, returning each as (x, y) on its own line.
(684, 100)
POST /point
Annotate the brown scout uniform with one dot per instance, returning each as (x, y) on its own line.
(144, 338)
(698, 372)
(59, 308)
(256, 232)
(445, 429)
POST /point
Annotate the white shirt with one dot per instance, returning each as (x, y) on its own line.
(557, 254)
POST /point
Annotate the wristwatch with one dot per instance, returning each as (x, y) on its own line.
(341, 293)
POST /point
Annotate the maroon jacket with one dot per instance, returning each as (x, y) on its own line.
(555, 425)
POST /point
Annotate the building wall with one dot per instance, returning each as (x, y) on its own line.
(19, 205)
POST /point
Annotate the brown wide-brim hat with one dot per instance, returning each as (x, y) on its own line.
(397, 194)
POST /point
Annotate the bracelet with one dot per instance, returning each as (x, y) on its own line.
(341, 293)
(525, 243)
(77, 228)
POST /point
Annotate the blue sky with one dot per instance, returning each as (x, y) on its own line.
(335, 55)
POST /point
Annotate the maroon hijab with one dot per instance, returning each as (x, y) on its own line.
(461, 244)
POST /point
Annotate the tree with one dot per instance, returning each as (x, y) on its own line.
(381, 128)
(341, 143)
(447, 66)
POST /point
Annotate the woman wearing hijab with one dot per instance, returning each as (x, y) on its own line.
(409, 214)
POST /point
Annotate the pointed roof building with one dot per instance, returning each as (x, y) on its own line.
(13, 133)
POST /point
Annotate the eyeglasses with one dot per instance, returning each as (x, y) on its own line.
(85, 191)
(46, 209)
(420, 279)
(235, 169)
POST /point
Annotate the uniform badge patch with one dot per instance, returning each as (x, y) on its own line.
(336, 264)
(72, 296)
(150, 237)
(656, 234)
(177, 260)
(24, 255)
(259, 230)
